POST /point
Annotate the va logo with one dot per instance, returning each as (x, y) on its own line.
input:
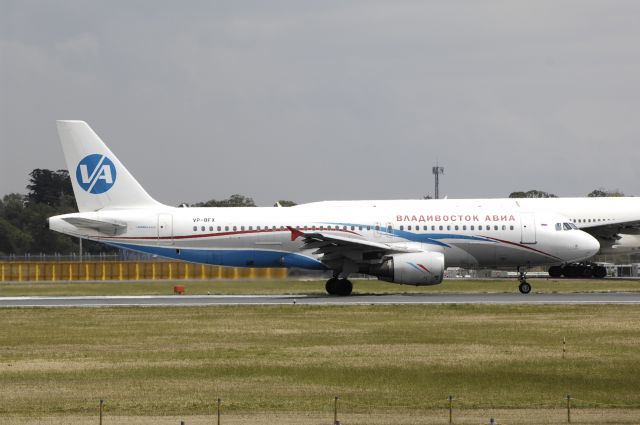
(96, 173)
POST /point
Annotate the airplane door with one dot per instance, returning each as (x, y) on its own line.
(528, 228)
(165, 229)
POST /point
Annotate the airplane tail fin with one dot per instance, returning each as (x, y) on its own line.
(98, 178)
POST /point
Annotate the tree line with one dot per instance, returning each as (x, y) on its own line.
(23, 218)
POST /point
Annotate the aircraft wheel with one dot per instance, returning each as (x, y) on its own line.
(555, 271)
(524, 288)
(344, 287)
(600, 272)
(332, 286)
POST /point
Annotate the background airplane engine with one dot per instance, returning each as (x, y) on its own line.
(414, 268)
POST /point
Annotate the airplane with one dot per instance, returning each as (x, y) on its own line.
(405, 242)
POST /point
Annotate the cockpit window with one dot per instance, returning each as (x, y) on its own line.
(573, 226)
(567, 226)
(558, 226)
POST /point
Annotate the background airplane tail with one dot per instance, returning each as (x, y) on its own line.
(99, 179)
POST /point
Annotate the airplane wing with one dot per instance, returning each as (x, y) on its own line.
(334, 247)
(106, 227)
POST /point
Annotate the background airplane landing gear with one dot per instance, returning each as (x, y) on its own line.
(342, 287)
(585, 270)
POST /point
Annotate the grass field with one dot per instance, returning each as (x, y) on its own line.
(195, 287)
(284, 364)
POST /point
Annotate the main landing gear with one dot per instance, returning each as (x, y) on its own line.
(342, 287)
(524, 286)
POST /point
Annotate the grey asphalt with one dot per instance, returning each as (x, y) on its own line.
(220, 300)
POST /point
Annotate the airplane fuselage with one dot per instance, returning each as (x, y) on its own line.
(472, 233)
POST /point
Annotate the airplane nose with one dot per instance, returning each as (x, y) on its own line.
(589, 245)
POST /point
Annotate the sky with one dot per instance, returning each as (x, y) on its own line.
(309, 101)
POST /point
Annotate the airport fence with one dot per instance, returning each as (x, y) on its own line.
(68, 271)
(447, 411)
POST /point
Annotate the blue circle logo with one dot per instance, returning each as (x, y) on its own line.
(96, 173)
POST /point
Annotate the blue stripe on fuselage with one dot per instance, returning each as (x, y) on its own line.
(229, 257)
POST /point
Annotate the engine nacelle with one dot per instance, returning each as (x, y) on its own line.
(412, 268)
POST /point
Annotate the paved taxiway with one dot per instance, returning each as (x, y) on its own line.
(214, 300)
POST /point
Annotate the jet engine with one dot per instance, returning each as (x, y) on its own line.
(412, 268)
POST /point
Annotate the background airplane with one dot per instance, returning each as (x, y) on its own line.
(406, 242)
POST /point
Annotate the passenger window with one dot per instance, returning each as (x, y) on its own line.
(504, 227)
(353, 227)
(389, 229)
(219, 228)
(448, 227)
(242, 228)
(441, 228)
(409, 227)
(433, 228)
(226, 228)
(203, 228)
(377, 227)
(211, 228)
(510, 227)
(401, 227)
(195, 228)
(344, 227)
(235, 228)
(472, 227)
(495, 227)
(360, 228)
(456, 227)
(480, 227)
(368, 227)
(464, 227)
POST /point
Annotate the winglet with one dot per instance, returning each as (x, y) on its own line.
(295, 233)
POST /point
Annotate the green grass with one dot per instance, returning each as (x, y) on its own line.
(309, 287)
(289, 360)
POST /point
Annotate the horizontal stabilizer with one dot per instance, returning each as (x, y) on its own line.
(106, 227)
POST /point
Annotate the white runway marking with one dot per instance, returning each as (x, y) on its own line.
(228, 300)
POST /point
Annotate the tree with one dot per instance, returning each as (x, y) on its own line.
(233, 201)
(52, 188)
(532, 194)
(602, 193)
(23, 218)
(284, 203)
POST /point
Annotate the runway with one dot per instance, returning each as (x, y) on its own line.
(226, 300)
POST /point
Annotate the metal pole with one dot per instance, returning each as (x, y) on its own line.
(564, 346)
(450, 409)
(335, 411)
(219, 401)
(101, 405)
(568, 408)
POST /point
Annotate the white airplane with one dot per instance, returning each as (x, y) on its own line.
(404, 242)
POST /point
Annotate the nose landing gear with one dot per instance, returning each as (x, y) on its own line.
(524, 286)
